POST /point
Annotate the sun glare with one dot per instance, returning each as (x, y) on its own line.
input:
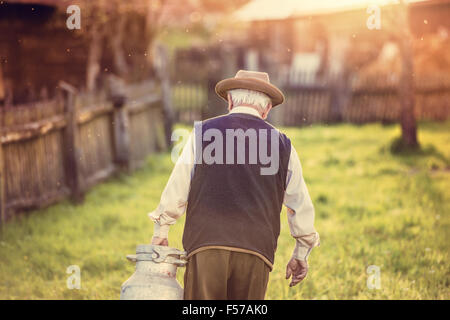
(281, 9)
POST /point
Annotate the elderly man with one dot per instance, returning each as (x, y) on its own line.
(232, 205)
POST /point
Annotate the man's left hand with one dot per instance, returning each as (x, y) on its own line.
(297, 269)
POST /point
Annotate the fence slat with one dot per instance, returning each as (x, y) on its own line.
(72, 147)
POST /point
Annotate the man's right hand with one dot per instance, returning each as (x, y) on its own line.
(160, 241)
(298, 269)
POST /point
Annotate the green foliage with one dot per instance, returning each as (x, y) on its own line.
(372, 208)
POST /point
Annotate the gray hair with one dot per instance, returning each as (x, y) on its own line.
(255, 98)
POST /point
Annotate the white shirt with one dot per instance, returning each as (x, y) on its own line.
(296, 198)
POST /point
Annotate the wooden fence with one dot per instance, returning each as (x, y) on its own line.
(190, 100)
(326, 101)
(361, 102)
(61, 147)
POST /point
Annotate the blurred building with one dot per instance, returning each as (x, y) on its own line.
(38, 49)
(323, 37)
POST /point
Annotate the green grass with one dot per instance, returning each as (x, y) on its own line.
(372, 208)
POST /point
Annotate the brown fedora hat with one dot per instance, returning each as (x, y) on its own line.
(251, 80)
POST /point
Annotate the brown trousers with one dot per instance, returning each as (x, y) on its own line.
(218, 274)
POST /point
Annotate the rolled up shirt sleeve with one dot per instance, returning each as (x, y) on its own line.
(175, 195)
(300, 210)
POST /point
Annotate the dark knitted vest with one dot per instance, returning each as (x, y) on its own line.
(231, 203)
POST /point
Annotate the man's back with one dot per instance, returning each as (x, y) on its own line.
(233, 201)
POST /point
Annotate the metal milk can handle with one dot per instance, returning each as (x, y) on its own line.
(159, 254)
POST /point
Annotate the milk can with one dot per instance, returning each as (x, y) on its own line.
(155, 275)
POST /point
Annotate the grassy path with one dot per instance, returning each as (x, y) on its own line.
(372, 208)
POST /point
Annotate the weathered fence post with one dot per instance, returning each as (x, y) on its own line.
(122, 135)
(340, 95)
(162, 69)
(215, 106)
(121, 122)
(160, 133)
(335, 103)
(72, 143)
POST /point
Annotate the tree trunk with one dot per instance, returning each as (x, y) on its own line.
(406, 87)
(120, 62)
(94, 56)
